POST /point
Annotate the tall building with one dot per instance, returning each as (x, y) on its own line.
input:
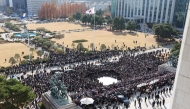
(10, 3)
(6, 2)
(181, 96)
(181, 8)
(19, 5)
(150, 11)
(2, 2)
(33, 6)
(98, 5)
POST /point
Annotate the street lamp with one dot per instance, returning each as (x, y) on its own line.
(26, 31)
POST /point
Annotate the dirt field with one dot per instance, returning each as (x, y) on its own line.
(10, 49)
(107, 38)
(58, 26)
(1, 30)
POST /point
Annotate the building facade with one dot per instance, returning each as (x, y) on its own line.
(10, 3)
(180, 13)
(98, 5)
(149, 11)
(33, 6)
(2, 3)
(19, 6)
(181, 94)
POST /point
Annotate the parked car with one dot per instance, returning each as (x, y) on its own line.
(124, 100)
(180, 36)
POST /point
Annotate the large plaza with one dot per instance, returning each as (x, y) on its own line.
(1, 30)
(108, 38)
(93, 54)
(98, 37)
(9, 50)
(99, 65)
(56, 26)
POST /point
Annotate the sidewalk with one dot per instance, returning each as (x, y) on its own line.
(148, 104)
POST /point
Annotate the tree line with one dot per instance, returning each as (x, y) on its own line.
(50, 11)
(77, 12)
(13, 94)
(101, 17)
(12, 26)
(164, 30)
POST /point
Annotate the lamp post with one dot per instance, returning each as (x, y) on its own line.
(26, 32)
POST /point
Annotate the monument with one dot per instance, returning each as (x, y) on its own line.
(57, 97)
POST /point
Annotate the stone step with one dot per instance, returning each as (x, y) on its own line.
(70, 106)
(49, 103)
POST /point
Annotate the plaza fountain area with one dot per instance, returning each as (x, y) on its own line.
(24, 34)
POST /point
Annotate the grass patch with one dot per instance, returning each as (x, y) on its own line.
(80, 41)
(27, 56)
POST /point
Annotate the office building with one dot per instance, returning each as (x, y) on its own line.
(19, 5)
(181, 96)
(33, 6)
(10, 3)
(98, 5)
(2, 2)
(181, 8)
(149, 11)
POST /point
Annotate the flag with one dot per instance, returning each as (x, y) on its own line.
(90, 11)
(23, 16)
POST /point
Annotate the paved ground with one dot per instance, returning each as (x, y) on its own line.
(95, 61)
(57, 26)
(97, 37)
(143, 104)
(108, 38)
(8, 50)
(148, 103)
(1, 30)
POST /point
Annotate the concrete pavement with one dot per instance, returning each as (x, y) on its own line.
(91, 61)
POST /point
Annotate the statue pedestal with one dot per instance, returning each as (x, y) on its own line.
(51, 103)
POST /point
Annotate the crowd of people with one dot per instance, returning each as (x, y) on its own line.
(131, 69)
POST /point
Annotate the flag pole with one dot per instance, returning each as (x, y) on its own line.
(94, 30)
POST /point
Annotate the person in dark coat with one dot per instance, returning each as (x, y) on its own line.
(135, 103)
(145, 99)
(153, 103)
(157, 103)
(163, 101)
(139, 105)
